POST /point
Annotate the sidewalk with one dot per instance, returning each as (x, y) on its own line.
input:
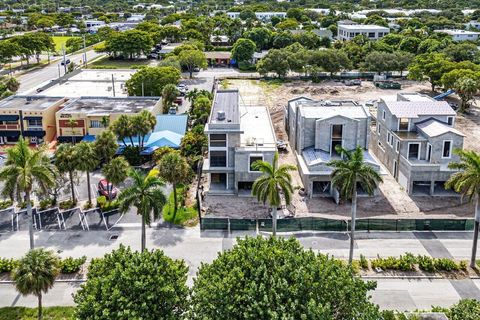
(196, 247)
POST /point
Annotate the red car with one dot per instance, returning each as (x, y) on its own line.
(106, 189)
(179, 101)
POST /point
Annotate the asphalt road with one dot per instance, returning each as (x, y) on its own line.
(195, 246)
(30, 81)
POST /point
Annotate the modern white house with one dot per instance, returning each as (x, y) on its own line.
(264, 16)
(348, 31)
(460, 35)
(473, 24)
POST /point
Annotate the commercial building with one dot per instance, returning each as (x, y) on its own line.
(348, 30)
(314, 130)
(264, 16)
(415, 138)
(33, 117)
(84, 117)
(237, 137)
(460, 35)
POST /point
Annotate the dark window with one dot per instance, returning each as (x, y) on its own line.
(218, 140)
(337, 131)
(413, 150)
(253, 159)
(218, 158)
(35, 123)
(446, 149)
(371, 34)
(450, 121)
(403, 124)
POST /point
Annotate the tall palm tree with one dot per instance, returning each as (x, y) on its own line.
(122, 128)
(87, 161)
(66, 161)
(349, 172)
(116, 172)
(23, 169)
(146, 195)
(169, 94)
(105, 146)
(174, 169)
(467, 182)
(36, 274)
(146, 123)
(105, 122)
(274, 179)
(72, 124)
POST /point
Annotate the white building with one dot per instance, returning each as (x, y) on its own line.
(473, 24)
(94, 23)
(264, 16)
(460, 35)
(372, 32)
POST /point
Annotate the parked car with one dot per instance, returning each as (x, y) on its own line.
(153, 56)
(179, 101)
(196, 69)
(65, 62)
(172, 110)
(106, 189)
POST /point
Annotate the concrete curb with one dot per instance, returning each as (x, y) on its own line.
(60, 281)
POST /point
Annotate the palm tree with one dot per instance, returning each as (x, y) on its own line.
(169, 94)
(72, 124)
(105, 121)
(36, 274)
(116, 172)
(87, 161)
(66, 161)
(174, 169)
(349, 172)
(122, 128)
(274, 179)
(105, 146)
(147, 122)
(23, 169)
(467, 182)
(146, 195)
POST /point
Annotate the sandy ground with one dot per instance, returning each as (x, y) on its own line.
(391, 202)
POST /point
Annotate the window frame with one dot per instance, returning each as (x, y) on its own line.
(250, 156)
(419, 148)
(449, 150)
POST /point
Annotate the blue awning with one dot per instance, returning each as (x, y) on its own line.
(9, 117)
(89, 138)
(69, 139)
(34, 133)
(32, 118)
(9, 133)
(148, 151)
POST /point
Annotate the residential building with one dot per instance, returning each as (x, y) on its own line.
(94, 24)
(348, 31)
(218, 58)
(33, 117)
(460, 35)
(414, 138)
(219, 40)
(83, 117)
(320, 32)
(314, 130)
(237, 137)
(264, 16)
(473, 24)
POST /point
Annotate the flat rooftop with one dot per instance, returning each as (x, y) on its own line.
(414, 97)
(457, 32)
(30, 103)
(323, 109)
(105, 106)
(92, 83)
(226, 101)
(257, 126)
(363, 27)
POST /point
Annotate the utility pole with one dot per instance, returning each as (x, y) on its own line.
(113, 85)
(64, 59)
(84, 52)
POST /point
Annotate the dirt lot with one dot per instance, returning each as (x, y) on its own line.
(391, 202)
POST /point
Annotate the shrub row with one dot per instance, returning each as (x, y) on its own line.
(106, 205)
(408, 262)
(4, 204)
(67, 265)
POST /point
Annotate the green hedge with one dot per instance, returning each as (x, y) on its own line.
(67, 265)
(49, 313)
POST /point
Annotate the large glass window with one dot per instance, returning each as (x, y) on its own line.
(35, 123)
(95, 124)
(447, 149)
(218, 140)
(253, 159)
(403, 124)
(218, 158)
(413, 151)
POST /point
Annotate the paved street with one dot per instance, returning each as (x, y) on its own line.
(30, 81)
(195, 247)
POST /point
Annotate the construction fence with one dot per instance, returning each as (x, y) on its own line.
(323, 224)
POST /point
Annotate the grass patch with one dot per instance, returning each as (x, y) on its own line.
(107, 63)
(59, 41)
(186, 216)
(224, 83)
(272, 84)
(49, 313)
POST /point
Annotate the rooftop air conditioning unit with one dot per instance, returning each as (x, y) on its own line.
(221, 115)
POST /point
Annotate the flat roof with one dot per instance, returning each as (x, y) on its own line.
(226, 101)
(363, 27)
(256, 126)
(103, 75)
(323, 109)
(104, 105)
(457, 32)
(32, 103)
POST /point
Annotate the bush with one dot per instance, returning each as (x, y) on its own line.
(101, 201)
(49, 313)
(363, 262)
(463, 265)
(445, 264)
(72, 265)
(105, 205)
(426, 263)
(66, 204)
(4, 204)
(23, 204)
(7, 265)
(132, 155)
(403, 263)
(45, 204)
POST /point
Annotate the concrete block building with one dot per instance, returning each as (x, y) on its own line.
(314, 130)
(33, 117)
(237, 137)
(415, 138)
(348, 31)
